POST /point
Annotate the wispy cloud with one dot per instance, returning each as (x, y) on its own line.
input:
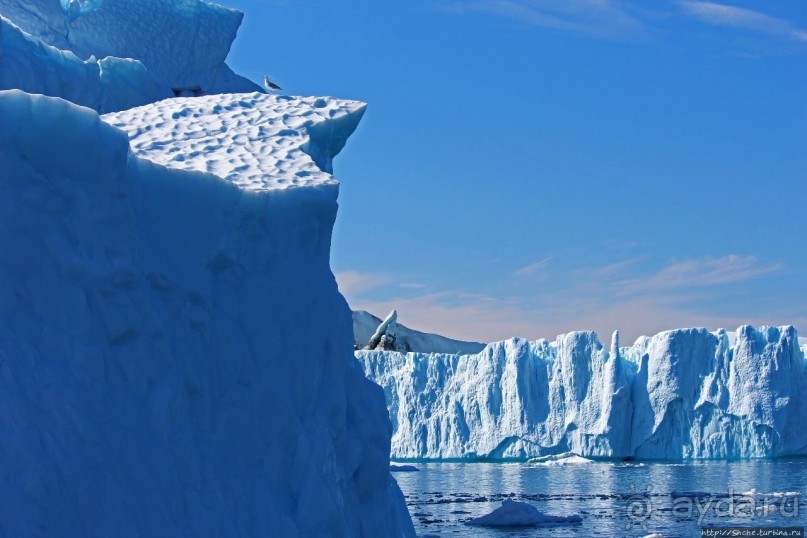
(742, 18)
(353, 283)
(594, 18)
(699, 272)
(630, 295)
(533, 268)
(627, 20)
(412, 286)
(456, 314)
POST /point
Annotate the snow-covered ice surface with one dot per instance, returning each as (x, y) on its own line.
(182, 43)
(158, 371)
(257, 141)
(520, 514)
(681, 394)
(106, 85)
(366, 324)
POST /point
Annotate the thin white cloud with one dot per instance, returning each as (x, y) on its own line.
(533, 268)
(456, 315)
(353, 283)
(593, 18)
(622, 295)
(487, 319)
(699, 272)
(626, 20)
(412, 286)
(742, 18)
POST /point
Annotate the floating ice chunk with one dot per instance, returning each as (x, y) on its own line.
(518, 514)
(403, 468)
(567, 458)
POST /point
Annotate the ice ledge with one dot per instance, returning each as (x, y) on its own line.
(258, 142)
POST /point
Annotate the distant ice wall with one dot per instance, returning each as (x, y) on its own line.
(680, 394)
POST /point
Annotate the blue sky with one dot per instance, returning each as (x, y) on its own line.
(531, 167)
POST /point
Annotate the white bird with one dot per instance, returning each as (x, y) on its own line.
(269, 85)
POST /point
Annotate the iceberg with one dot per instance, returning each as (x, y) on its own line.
(682, 394)
(106, 85)
(182, 44)
(567, 458)
(403, 469)
(368, 328)
(519, 514)
(160, 269)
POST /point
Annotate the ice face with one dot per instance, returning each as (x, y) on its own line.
(75, 8)
(157, 372)
(111, 84)
(686, 393)
(183, 44)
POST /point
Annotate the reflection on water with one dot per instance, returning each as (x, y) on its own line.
(615, 499)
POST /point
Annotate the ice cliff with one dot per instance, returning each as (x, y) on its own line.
(118, 54)
(161, 269)
(106, 85)
(157, 376)
(680, 394)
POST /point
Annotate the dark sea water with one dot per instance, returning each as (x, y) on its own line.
(614, 499)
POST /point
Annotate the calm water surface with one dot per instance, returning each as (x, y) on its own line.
(614, 499)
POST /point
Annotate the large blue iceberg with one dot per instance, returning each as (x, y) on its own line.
(160, 268)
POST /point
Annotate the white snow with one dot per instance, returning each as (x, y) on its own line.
(519, 514)
(158, 374)
(681, 394)
(366, 324)
(182, 43)
(257, 141)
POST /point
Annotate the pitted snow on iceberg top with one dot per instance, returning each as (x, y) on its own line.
(257, 141)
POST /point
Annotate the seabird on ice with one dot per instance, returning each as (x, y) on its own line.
(269, 85)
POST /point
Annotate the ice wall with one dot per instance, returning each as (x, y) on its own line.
(106, 85)
(158, 371)
(183, 44)
(680, 394)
